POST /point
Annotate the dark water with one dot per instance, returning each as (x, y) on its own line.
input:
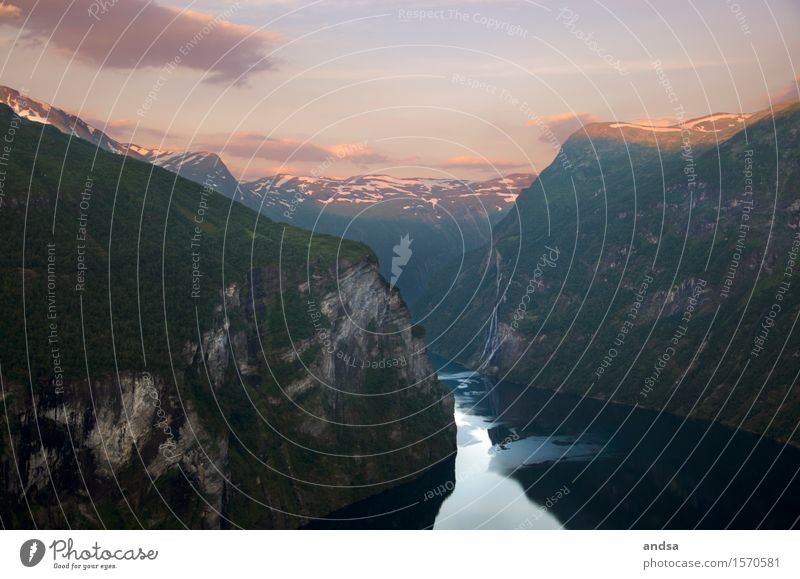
(533, 459)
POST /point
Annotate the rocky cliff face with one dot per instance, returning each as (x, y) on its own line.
(649, 268)
(175, 361)
(339, 430)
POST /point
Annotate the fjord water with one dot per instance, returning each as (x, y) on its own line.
(534, 459)
(483, 495)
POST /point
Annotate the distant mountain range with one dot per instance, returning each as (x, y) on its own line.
(445, 216)
(411, 196)
(497, 194)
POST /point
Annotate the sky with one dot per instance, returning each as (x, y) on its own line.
(469, 89)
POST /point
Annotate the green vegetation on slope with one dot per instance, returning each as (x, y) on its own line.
(111, 268)
(712, 224)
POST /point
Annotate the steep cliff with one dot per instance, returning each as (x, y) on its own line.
(172, 359)
(654, 267)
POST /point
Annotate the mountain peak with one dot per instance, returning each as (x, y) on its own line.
(200, 166)
(700, 131)
(714, 123)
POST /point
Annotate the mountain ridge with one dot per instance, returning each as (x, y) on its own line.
(204, 167)
(169, 357)
(638, 222)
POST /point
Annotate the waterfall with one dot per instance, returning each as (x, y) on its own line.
(492, 342)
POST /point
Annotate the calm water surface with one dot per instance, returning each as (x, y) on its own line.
(534, 459)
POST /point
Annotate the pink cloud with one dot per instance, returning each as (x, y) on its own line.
(252, 171)
(357, 153)
(10, 12)
(482, 163)
(785, 94)
(254, 145)
(561, 125)
(135, 33)
(125, 130)
(656, 121)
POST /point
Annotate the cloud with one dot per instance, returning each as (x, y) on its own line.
(140, 33)
(482, 164)
(254, 145)
(784, 94)
(561, 125)
(253, 171)
(357, 153)
(667, 121)
(125, 130)
(10, 12)
(291, 169)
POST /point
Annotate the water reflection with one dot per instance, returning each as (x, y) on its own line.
(531, 458)
(488, 493)
(484, 487)
(535, 459)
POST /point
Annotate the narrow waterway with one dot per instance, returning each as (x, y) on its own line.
(535, 459)
(485, 494)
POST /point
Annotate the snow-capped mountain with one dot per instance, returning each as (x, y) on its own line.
(201, 167)
(440, 219)
(391, 196)
(699, 132)
(714, 123)
(412, 196)
(41, 112)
